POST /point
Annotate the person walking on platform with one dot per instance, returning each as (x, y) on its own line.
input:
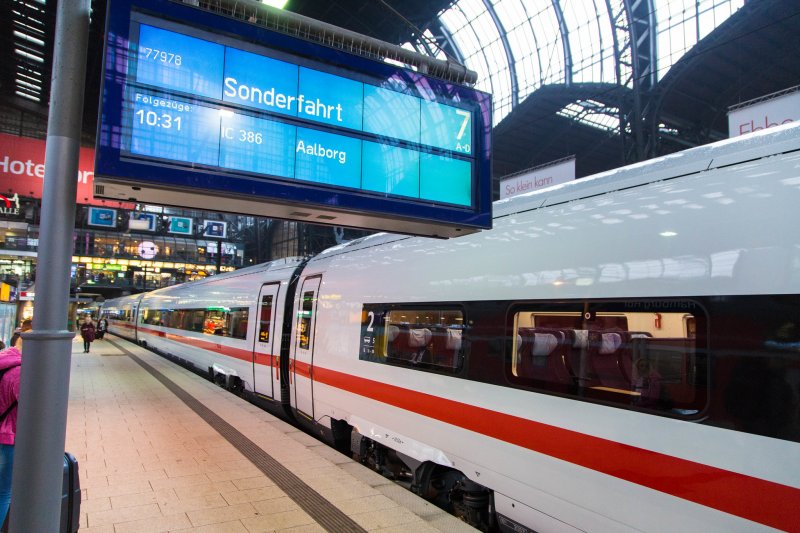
(102, 327)
(87, 333)
(10, 359)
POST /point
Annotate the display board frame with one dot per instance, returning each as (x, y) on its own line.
(123, 175)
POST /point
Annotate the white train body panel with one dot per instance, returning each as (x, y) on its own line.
(715, 224)
(720, 231)
(121, 313)
(253, 362)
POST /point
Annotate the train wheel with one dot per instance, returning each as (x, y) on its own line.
(452, 491)
(235, 385)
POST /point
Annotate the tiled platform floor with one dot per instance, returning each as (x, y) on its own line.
(148, 463)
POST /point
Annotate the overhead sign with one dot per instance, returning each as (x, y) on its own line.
(764, 113)
(277, 126)
(537, 178)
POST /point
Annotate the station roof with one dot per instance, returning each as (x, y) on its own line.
(558, 93)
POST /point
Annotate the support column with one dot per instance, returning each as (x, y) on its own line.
(44, 387)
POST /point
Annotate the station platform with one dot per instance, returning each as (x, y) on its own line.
(161, 449)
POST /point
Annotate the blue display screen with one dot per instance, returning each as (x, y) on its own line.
(225, 106)
(171, 128)
(257, 145)
(260, 82)
(180, 129)
(175, 61)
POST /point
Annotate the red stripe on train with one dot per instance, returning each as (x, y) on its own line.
(235, 353)
(749, 497)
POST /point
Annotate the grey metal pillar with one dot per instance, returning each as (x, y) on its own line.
(44, 386)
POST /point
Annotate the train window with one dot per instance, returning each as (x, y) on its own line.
(304, 324)
(177, 318)
(237, 322)
(153, 317)
(215, 322)
(420, 338)
(265, 318)
(640, 354)
(146, 316)
(195, 320)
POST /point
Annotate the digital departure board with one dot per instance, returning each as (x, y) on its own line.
(225, 115)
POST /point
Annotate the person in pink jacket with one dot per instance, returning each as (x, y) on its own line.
(10, 360)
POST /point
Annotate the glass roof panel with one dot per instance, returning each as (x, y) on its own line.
(591, 42)
(680, 24)
(478, 39)
(593, 114)
(535, 40)
(534, 36)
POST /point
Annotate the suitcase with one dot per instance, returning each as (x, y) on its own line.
(70, 495)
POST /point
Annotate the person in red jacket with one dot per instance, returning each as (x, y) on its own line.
(87, 333)
(10, 360)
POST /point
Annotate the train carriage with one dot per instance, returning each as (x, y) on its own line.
(228, 326)
(121, 315)
(617, 353)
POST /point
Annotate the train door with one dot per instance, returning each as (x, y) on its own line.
(302, 362)
(266, 345)
(133, 322)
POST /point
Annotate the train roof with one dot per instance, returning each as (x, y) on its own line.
(764, 143)
(732, 151)
(277, 264)
(261, 267)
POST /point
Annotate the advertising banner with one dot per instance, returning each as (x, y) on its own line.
(538, 178)
(101, 217)
(22, 171)
(142, 221)
(763, 113)
(180, 225)
(215, 228)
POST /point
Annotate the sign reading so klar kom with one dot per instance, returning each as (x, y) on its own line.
(269, 120)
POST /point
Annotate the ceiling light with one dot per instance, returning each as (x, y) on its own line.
(28, 85)
(668, 234)
(29, 38)
(280, 4)
(28, 96)
(28, 56)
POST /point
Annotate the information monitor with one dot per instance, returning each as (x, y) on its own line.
(221, 114)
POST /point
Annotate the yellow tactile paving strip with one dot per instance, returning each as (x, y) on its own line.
(150, 463)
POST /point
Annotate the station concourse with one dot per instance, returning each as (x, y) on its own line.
(156, 455)
(638, 371)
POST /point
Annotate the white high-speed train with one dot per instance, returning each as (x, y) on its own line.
(619, 353)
